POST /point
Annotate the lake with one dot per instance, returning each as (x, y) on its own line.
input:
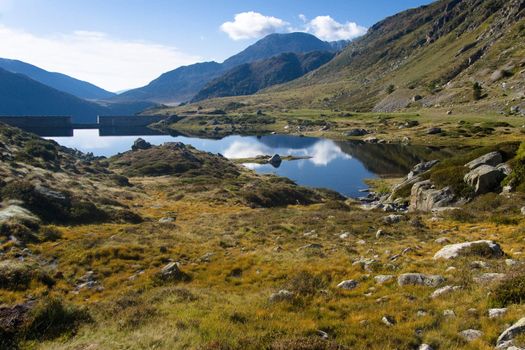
(340, 166)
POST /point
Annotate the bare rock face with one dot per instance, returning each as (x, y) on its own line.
(484, 247)
(485, 179)
(140, 144)
(424, 197)
(492, 158)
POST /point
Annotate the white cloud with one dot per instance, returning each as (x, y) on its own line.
(111, 63)
(326, 28)
(249, 25)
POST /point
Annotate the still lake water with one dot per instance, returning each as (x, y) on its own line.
(340, 166)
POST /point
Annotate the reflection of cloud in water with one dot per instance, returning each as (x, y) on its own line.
(243, 149)
(252, 166)
(325, 151)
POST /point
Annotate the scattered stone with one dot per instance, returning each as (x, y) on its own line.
(379, 233)
(382, 279)
(484, 179)
(418, 279)
(392, 219)
(442, 240)
(434, 131)
(495, 313)
(471, 334)
(140, 144)
(444, 290)
(449, 313)
(425, 347)
(492, 158)
(450, 269)
(172, 272)
(344, 235)
(388, 320)
(487, 278)
(322, 334)
(449, 112)
(166, 220)
(282, 295)
(479, 265)
(371, 139)
(356, 132)
(453, 251)
(511, 262)
(348, 284)
(416, 98)
(522, 210)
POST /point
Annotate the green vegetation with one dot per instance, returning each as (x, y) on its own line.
(510, 291)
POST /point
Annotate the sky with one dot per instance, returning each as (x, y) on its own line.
(123, 44)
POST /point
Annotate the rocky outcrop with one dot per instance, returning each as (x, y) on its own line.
(506, 339)
(275, 160)
(492, 158)
(485, 179)
(425, 197)
(18, 214)
(356, 132)
(421, 168)
(140, 144)
(476, 248)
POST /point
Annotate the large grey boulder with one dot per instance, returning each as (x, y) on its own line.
(471, 334)
(492, 158)
(275, 160)
(356, 132)
(485, 178)
(140, 144)
(453, 251)
(421, 168)
(424, 197)
(419, 279)
(282, 295)
(348, 284)
(18, 214)
(505, 340)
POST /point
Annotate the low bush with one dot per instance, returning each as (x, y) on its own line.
(306, 284)
(510, 291)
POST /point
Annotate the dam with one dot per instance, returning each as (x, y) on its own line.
(64, 126)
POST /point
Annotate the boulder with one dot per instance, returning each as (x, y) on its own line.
(421, 168)
(371, 139)
(282, 295)
(495, 313)
(484, 179)
(505, 340)
(416, 98)
(425, 347)
(392, 219)
(140, 144)
(172, 272)
(382, 279)
(388, 320)
(488, 278)
(424, 197)
(484, 247)
(444, 290)
(275, 160)
(434, 131)
(348, 284)
(492, 158)
(356, 132)
(471, 334)
(418, 279)
(18, 214)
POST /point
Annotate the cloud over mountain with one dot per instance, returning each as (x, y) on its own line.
(250, 25)
(326, 28)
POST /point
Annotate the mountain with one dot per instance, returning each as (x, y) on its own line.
(57, 81)
(424, 57)
(249, 78)
(184, 83)
(20, 95)
(275, 44)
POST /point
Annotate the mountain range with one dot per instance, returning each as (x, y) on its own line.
(184, 83)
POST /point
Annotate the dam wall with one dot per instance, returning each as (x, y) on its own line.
(108, 121)
(59, 122)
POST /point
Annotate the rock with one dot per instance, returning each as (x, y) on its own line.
(348, 284)
(371, 139)
(485, 247)
(166, 220)
(444, 290)
(505, 169)
(497, 75)
(471, 334)
(488, 278)
(505, 340)
(442, 240)
(275, 160)
(449, 112)
(282, 295)
(311, 246)
(424, 197)
(356, 132)
(479, 265)
(382, 279)
(52, 195)
(418, 279)
(379, 233)
(416, 98)
(511, 262)
(449, 313)
(422, 167)
(434, 131)
(392, 219)
(425, 347)
(140, 144)
(495, 313)
(172, 272)
(484, 179)
(18, 214)
(522, 210)
(492, 158)
(388, 320)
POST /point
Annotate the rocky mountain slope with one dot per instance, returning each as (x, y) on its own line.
(424, 57)
(183, 83)
(248, 78)
(57, 81)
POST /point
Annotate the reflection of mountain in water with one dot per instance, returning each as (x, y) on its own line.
(392, 159)
(285, 141)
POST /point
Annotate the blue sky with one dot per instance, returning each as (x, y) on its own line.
(121, 44)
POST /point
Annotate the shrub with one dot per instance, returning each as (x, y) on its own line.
(51, 318)
(517, 177)
(390, 89)
(477, 91)
(453, 177)
(41, 148)
(509, 291)
(306, 284)
(16, 275)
